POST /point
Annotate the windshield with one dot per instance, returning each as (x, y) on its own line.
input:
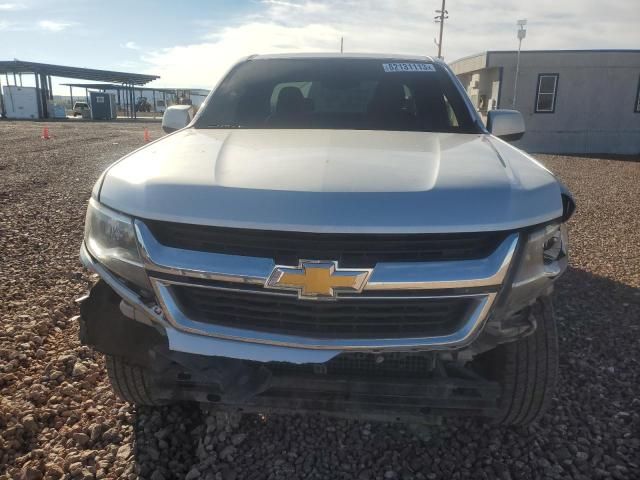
(338, 93)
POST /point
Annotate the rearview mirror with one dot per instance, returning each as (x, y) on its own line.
(505, 124)
(176, 117)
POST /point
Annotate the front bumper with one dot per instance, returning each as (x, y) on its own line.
(415, 388)
(268, 375)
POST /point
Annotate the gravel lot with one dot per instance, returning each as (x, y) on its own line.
(59, 418)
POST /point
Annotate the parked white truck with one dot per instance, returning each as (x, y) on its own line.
(331, 233)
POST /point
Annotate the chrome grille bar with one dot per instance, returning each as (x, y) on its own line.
(485, 272)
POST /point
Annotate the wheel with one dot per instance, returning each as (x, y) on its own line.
(527, 369)
(130, 382)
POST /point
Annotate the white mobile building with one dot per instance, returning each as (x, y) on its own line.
(573, 101)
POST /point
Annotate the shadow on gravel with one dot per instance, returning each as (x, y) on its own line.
(165, 440)
(591, 431)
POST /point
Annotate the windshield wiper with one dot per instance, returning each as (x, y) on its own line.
(226, 125)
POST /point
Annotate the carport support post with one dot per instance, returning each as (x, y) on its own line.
(38, 95)
(124, 101)
(133, 101)
(71, 95)
(2, 110)
(43, 95)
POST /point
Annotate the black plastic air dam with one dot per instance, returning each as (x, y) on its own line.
(105, 328)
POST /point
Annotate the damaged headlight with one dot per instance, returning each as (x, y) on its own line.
(544, 258)
(111, 239)
(554, 248)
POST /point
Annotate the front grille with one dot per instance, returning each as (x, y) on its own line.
(345, 318)
(350, 250)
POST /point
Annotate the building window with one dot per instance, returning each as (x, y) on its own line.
(637, 108)
(546, 94)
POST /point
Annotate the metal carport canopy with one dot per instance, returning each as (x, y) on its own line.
(113, 86)
(17, 66)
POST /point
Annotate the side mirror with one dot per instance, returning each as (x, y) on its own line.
(505, 124)
(176, 117)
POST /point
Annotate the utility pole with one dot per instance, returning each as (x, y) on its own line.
(522, 32)
(341, 44)
(440, 18)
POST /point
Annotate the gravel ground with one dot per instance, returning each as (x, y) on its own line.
(59, 418)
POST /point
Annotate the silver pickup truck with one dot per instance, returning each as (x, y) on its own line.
(331, 233)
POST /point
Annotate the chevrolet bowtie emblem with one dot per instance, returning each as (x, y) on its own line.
(318, 280)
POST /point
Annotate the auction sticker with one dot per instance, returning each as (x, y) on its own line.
(408, 67)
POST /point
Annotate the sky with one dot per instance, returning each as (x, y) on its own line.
(193, 43)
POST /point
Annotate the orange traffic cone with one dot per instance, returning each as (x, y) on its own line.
(147, 138)
(45, 133)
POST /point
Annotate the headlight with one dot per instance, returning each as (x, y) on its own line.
(110, 238)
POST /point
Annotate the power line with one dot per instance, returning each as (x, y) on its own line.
(440, 18)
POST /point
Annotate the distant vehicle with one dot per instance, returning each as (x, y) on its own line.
(331, 233)
(142, 105)
(79, 108)
(160, 106)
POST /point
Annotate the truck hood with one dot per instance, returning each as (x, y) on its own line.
(334, 181)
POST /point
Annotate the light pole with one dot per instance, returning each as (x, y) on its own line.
(440, 18)
(522, 32)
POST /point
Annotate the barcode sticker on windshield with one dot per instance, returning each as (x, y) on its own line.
(408, 67)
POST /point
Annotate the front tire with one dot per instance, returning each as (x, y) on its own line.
(130, 382)
(527, 370)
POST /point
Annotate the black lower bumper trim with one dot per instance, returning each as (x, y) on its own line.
(349, 396)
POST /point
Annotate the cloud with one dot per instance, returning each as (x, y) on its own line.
(388, 26)
(53, 26)
(306, 7)
(201, 65)
(131, 46)
(10, 7)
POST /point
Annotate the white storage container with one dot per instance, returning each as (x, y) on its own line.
(20, 102)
